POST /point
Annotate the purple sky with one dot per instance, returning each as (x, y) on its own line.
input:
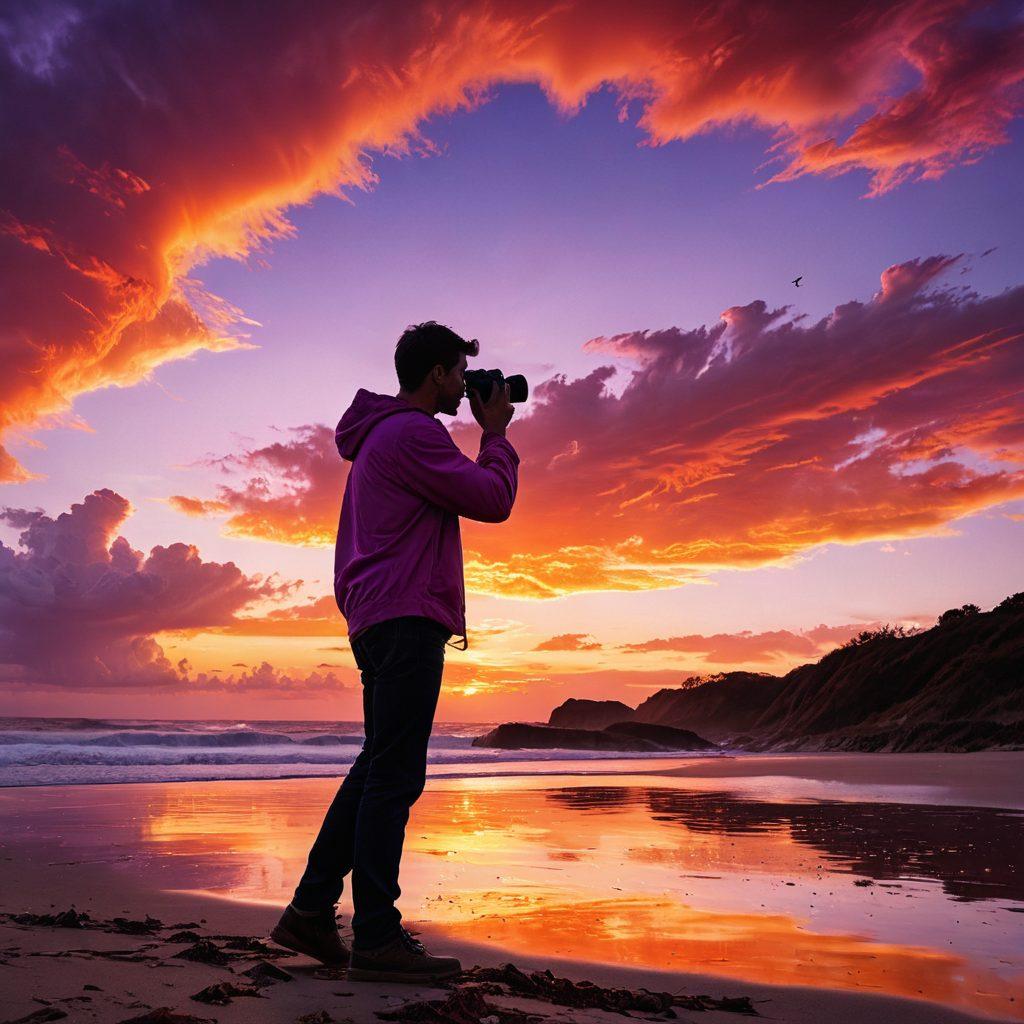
(535, 232)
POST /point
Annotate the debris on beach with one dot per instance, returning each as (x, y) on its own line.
(322, 1017)
(863, 883)
(165, 1015)
(126, 926)
(41, 1016)
(223, 992)
(586, 995)
(464, 1005)
(332, 974)
(70, 918)
(263, 973)
(249, 944)
(128, 956)
(204, 952)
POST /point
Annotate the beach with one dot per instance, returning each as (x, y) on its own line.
(859, 887)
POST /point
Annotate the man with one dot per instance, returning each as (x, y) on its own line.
(398, 581)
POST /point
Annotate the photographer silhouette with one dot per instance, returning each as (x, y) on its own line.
(398, 581)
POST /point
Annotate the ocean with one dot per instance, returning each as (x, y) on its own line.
(70, 751)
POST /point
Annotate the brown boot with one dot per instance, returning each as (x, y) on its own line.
(315, 936)
(401, 959)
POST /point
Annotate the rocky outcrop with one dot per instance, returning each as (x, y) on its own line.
(665, 735)
(589, 714)
(625, 736)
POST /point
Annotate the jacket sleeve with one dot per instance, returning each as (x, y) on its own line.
(432, 466)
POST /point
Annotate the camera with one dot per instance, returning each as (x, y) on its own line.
(483, 380)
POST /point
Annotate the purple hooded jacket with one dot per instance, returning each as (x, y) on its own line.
(399, 549)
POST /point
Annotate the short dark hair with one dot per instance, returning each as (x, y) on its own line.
(423, 346)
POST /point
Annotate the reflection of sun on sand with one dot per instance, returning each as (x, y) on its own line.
(771, 948)
(640, 872)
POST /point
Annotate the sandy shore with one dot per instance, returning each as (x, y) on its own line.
(214, 858)
(984, 779)
(64, 969)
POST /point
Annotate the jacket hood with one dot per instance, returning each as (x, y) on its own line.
(365, 412)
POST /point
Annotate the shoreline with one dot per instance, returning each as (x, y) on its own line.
(994, 785)
(438, 770)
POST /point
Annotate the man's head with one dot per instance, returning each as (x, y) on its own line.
(430, 360)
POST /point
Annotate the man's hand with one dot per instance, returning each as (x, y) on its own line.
(495, 413)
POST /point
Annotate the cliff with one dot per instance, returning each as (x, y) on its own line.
(726, 706)
(956, 686)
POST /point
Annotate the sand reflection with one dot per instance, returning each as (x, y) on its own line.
(771, 948)
(975, 852)
(892, 898)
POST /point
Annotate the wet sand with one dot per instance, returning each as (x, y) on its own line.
(985, 779)
(842, 875)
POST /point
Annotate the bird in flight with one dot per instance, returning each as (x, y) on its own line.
(797, 280)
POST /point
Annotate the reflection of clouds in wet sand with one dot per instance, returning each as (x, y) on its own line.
(976, 852)
(659, 876)
(666, 850)
(771, 948)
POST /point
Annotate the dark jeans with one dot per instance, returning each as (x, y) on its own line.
(401, 661)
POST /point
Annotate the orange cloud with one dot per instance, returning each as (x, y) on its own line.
(290, 491)
(958, 111)
(197, 507)
(104, 216)
(739, 445)
(111, 184)
(569, 642)
(318, 617)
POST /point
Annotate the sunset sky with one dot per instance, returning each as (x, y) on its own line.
(214, 227)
